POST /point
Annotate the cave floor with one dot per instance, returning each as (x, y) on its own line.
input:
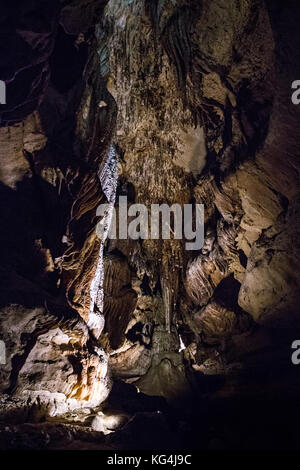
(236, 423)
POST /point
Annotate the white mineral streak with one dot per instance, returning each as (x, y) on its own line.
(108, 179)
(182, 345)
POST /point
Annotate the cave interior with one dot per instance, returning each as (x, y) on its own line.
(122, 343)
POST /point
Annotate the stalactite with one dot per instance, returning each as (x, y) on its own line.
(167, 305)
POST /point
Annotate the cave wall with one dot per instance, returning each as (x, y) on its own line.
(195, 97)
(201, 96)
(200, 93)
(51, 354)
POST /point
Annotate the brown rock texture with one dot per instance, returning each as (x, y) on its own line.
(193, 99)
(198, 91)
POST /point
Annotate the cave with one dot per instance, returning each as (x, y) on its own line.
(115, 337)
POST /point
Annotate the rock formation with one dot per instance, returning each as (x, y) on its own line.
(164, 102)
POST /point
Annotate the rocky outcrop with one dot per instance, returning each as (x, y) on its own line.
(52, 359)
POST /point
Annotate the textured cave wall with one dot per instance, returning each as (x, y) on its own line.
(50, 352)
(195, 97)
(204, 115)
